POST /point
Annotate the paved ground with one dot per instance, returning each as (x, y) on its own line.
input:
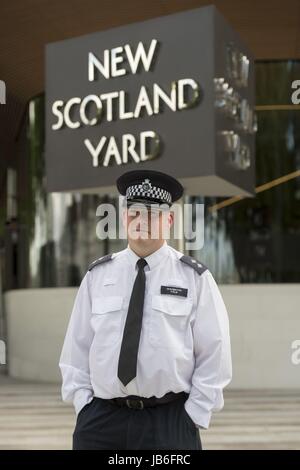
(32, 416)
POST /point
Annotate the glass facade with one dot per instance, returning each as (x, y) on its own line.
(256, 240)
(62, 239)
(253, 240)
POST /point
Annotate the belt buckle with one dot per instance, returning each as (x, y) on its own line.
(135, 401)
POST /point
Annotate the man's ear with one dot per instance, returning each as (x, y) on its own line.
(171, 218)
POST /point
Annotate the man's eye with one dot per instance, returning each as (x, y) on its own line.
(133, 213)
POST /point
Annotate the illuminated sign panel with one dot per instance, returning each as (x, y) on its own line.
(174, 94)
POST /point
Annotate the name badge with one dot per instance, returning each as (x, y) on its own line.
(174, 291)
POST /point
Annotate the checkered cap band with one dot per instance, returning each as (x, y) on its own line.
(145, 189)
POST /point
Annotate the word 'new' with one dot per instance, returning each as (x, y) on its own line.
(113, 60)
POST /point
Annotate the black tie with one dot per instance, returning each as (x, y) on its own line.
(132, 329)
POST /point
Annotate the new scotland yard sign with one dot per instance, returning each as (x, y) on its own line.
(174, 94)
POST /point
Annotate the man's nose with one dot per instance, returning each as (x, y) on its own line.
(145, 216)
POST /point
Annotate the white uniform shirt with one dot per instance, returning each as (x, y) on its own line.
(184, 343)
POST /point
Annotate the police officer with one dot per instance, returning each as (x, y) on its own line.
(147, 350)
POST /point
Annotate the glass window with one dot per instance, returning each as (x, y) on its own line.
(256, 240)
(253, 240)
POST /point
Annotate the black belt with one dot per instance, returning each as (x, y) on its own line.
(138, 403)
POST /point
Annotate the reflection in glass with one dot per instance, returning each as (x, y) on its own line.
(254, 240)
(257, 239)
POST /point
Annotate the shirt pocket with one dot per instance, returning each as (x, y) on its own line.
(106, 319)
(169, 321)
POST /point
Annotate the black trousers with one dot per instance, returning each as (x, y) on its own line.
(103, 425)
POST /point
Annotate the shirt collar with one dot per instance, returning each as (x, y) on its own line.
(153, 259)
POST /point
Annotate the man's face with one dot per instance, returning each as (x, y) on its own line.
(144, 224)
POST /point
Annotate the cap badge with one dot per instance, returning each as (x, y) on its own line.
(146, 186)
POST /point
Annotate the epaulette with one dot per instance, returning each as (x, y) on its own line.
(101, 260)
(199, 267)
